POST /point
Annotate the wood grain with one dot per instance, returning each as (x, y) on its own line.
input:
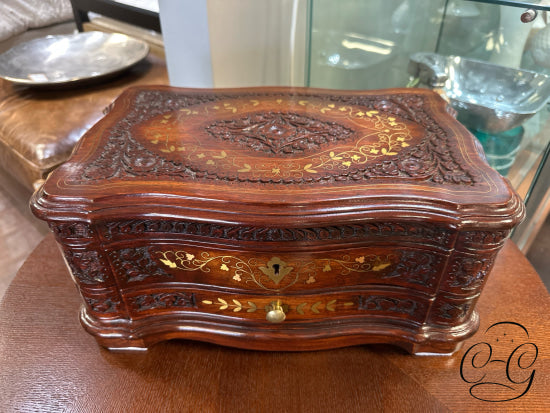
(49, 363)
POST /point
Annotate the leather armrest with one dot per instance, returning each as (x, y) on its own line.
(39, 127)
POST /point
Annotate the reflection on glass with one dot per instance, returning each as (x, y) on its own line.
(356, 44)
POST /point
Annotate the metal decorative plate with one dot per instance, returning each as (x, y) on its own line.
(65, 59)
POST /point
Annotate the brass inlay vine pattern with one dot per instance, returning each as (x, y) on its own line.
(236, 306)
(268, 275)
(381, 136)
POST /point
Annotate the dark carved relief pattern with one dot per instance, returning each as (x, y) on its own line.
(450, 311)
(279, 133)
(487, 239)
(105, 305)
(391, 304)
(124, 157)
(77, 230)
(136, 264)
(468, 273)
(436, 158)
(86, 266)
(434, 234)
(163, 300)
(417, 268)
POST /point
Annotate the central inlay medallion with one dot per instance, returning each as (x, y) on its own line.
(279, 133)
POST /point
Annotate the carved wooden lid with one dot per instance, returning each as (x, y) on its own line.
(277, 154)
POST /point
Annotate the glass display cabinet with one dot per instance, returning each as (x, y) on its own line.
(489, 59)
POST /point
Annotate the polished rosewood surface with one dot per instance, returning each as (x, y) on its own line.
(276, 218)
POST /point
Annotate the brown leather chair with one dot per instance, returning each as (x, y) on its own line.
(39, 128)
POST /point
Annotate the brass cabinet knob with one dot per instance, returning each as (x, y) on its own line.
(276, 314)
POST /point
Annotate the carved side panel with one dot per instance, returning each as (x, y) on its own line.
(417, 267)
(453, 311)
(392, 305)
(467, 273)
(136, 264)
(88, 267)
(449, 310)
(86, 262)
(170, 300)
(108, 304)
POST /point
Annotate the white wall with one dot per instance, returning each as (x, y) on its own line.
(186, 42)
(233, 43)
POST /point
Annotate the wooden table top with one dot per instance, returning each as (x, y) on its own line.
(49, 363)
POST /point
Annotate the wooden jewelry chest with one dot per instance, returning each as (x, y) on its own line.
(279, 219)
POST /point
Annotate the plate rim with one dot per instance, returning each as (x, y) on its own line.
(106, 35)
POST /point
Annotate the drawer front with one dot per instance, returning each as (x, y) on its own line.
(273, 272)
(255, 308)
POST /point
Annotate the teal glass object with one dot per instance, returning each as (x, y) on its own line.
(501, 148)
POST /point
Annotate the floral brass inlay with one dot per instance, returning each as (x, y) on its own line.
(236, 306)
(275, 274)
(377, 137)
